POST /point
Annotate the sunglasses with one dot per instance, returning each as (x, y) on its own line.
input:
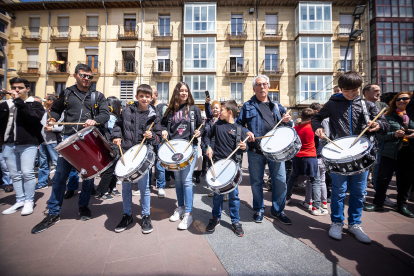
(84, 76)
(402, 99)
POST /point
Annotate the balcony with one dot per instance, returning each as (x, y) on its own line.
(126, 67)
(127, 32)
(339, 67)
(344, 30)
(28, 68)
(272, 31)
(236, 31)
(32, 34)
(4, 18)
(95, 66)
(273, 67)
(55, 68)
(235, 68)
(162, 32)
(60, 34)
(162, 67)
(90, 33)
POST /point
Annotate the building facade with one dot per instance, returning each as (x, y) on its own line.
(4, 38)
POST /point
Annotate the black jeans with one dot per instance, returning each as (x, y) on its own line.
(404, 168)
(108, 180)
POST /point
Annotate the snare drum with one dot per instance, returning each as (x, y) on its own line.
(133, 171)
(176, 161)
(88, 152)
(351, 160)
(229, 176)
(284, 145)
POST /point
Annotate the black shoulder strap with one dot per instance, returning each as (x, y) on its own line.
(192, 118)
(169, 118)
(279, 116)
(364, 110)
(238, 139)
(93, 102)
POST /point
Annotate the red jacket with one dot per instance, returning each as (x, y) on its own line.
(306, 136)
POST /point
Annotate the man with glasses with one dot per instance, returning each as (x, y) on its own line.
(261, 115)
(77, 103)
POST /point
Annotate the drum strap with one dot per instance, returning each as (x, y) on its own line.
(238, 139)
(364, 110)
(277, 111)
(93, 101)
(192, 119)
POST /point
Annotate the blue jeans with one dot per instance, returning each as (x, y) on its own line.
(143, 185)
(184, 185)
(376, 166)
(278, 176)
(160, 175)
(20, 160)
(63, 168)
(73, 182)
(234, 205)
(47, 153)
(356, 186)
(5, 176)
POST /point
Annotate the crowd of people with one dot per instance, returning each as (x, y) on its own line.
(30, 131)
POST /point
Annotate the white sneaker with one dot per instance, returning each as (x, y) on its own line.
(335, 232)
(306, 205)
(136, 193)
(178, 213)
(161, 192)
(14, 208)
(186, 222)
(389, 202)
(27, 208)
(319, 212)
(324, 205)
(360, 235)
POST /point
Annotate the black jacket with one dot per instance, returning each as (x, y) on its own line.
(79, 108)
(131, 130)
(410, 108)
(346, 117)
(28, 126)
(207, 126)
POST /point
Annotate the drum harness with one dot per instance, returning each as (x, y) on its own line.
(364, 110)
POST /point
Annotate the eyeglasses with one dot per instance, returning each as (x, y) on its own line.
(19, 87)
(402, 99)
(260, 84)
(84, 76)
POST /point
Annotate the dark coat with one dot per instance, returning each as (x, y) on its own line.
(207, 126)
(410, 108)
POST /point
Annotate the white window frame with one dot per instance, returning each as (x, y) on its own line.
(272, 95)
(191, 23)
(307, 93)
(163, 89)
(198, 91)
(308, 25)
(271, 52)
(166, 59)
(126, 95)
(165, 30)
(303, 60)
(190, 51)
(236, 94)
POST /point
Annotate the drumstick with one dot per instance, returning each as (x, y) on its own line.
(287, 112)
(170, 144)
(212, 165)
(142, 142)
(68, 123)
(189, 143)
(263, 137)
(122, 155)
(332, 142)
(379, 114)
(235, 150)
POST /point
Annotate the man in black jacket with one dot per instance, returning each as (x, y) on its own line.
(20, 130)
(76, 101)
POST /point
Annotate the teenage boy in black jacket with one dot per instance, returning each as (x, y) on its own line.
(77, 103)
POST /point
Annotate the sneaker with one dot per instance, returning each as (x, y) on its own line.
(211, 194)
(8, 188)
(319, 212)
(119, 182)
(14, 208)
(105, 196)
(328, 200)
(27, 208)
(137, 193)
(282, 218)
(178, 213)
(146, 225)
(69, 194)
(115, 192)
(48, 221)
(306, 205)
(389, 202)
(41, 187)
(213, 223)
(335, 232)
(237, 229)
(52, 171)
(360, 235)
(161, 193)
(85, 213)
(258, 217)
(171, 183)
(123, 225)
(226, 197)
(324, 205)
(186, 222)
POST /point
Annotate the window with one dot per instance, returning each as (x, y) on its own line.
(92, 59)
(271, 59)
(199, 84)
(349, 65)
(271, 24)
(92, 26)
(394, 8)
(345, 24)
(395, 38)
(59, 87)
(163, 60)
(2, 27)
(63, 29)
(407, 38)
(34, 26)
(407, 74)
(130, 24)
(274, 91)
(313, 18)
(62, 55)
(314, 54)
(200, 18)
(396, 76)
(384, 38)
(32, 86)
(199, 54)
(93, 85)
(164, 25)
(236, 92)
(128, 61)
(236, 24)
(163, 89)
(311, 89)
(32, 61)
(127, 90)
(236, 59)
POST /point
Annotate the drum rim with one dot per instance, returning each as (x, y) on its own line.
(84, 131)
(180, 162)
(140, 164)
(234, 186)
(228, 182)
(352, 158)
(295, 136)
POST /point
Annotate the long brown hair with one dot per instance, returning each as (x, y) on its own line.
(174, 104)
(393, 102)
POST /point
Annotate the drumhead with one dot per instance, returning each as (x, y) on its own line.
(283, 137)
(68, 141)
(124, 170)
(167, 154)
(224, 172)
(332, 152)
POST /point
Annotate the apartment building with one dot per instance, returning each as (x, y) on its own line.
(219, 46)
(4, 38)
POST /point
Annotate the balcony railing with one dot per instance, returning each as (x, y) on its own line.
(90, 33)
(162, 32)
(31, 34)
(272, 31)
(95, 66)
(126, 67)
(351, 65)
(28, 68)
(234, 68)
(54, 68)
(60, 33)
(127, 32)
(162, 67)
(273, 67)
(237, 31)
(343, 31)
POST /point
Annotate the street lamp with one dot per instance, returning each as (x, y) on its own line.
(354, 34)
(359, 10)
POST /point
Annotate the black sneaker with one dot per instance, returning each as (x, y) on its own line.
(105, 196)
(146, 224)
(237, 229)
(8, 188)
(213, 223)
(258, 217)
(85, 213)
(48, 221)
(123, 225)
(69, 194)
(282, 218)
